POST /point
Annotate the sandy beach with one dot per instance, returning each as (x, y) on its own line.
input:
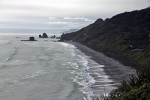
(113, 68)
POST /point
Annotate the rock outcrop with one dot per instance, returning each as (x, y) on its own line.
(30, 39)
(40, 36)
(43, 36)
(53, 36)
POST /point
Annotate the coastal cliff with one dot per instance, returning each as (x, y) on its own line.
(125, 37)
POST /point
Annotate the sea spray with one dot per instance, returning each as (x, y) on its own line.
(82, 75)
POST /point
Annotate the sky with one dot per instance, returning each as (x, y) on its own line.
(56, 16)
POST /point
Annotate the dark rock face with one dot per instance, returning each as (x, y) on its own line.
(40, 36)
(65, 37)
(53, 36)
(45, 35)
(31, 39)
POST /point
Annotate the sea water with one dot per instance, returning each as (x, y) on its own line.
(48, 70)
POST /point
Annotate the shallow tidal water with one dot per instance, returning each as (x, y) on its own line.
(47, 70)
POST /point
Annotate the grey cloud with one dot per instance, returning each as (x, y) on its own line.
(79, 18)
(52, 14)
(47, 23)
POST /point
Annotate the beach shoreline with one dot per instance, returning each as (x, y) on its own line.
(113, 68)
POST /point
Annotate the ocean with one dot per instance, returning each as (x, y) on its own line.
(49, 70)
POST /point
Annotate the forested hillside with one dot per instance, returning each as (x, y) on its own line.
(125, 37)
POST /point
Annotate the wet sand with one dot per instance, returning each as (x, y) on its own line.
(113, 68)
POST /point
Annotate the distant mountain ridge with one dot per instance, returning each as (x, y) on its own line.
(125, 36)
(70, 31)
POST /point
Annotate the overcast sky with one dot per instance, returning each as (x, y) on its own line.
(60, 15)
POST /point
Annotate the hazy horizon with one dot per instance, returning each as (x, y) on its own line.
(55, 16)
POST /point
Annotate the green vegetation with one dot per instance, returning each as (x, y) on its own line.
(125, 37)
(136, 88)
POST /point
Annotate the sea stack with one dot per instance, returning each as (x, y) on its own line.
(45, 35)
(40, 36)
(31, 39)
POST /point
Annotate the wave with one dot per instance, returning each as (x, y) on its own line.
(67, 45)
(4, 42)
(35, 74)
(81, 74)
(89, 75)
(10, 57)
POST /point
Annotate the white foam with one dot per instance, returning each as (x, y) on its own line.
(96, 70)
(87, 80)
(72, 52)
(64, 44)
(98, 66)
(35, 74)
(83, 70)
(67, 45)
